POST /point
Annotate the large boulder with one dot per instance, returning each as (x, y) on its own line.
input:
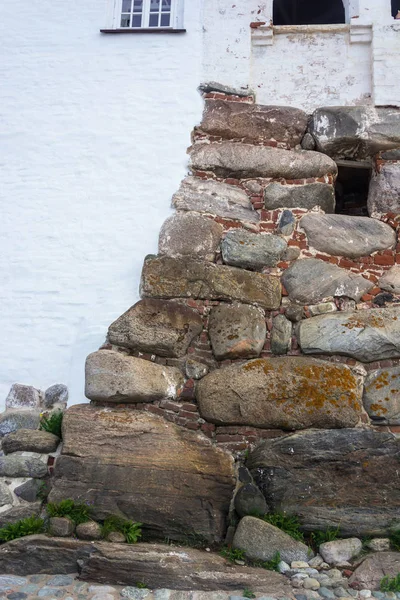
(331, 478)
(310, 280)
(138, 466)
(114, 377)
(237, 331)
(241, 248)
(164, 277)
(384, 190)
(344, 235)
(261, 541)
(355, 131)
(281, 393)
(369, 574)
(12, 420)
(27, 440)
(156, 327)
(366, 335)
(254, 122)
(244, 160)
(382, 395)
(23, 397)
(277, 195)
(215, 198)
(189, 234)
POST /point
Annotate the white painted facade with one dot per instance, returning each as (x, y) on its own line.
(94, 131)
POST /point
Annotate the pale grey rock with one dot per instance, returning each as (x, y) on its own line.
(390, 281)
(366, 335)
(291, 253)
(322, 309)
(119, 378)
(250, 501)
(239, 161)
(133, 593)
(236, 331)
(10, 581)
(116, 537)
(384, 190)
(382, 395)
(281, 335)
(338, 552)
(215, 198)
(316, 561)
(189, 234)
(61, 581)
(56, 394)
(307, 196)
(369, 574)
(28, 440)
(195, 369)
(97, 589)
(12, 420)
(294, 313)
(241, 248)
(156, 327)
(16, 465)
(261, 540)
(5, 494)
(287, 223)
(61, 526)
(308, 142)
(379, 545)
(311, 584)
(391, 155)
(46, 591)
(345, 235)
(28, 490)
(23, 397)
(88, 531)
(310, 281)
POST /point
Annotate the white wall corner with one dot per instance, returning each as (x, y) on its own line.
(360, 33)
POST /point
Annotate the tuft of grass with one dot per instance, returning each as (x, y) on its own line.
(390, 585)
(76, 511)
(141, 585)
(131, 530)
(29, 526)
(272, 565)
(247, 593)
(320, 537)
(53, 423)
(287, 523)
(395, 540)
(232, 554)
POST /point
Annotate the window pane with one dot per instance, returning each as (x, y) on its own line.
(153, 21)
(137, 6)
(137, 21)
(166, 5)
(125, 20)
(154, 5)
(165, 19)
(126, 6)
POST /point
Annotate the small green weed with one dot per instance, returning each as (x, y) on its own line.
(288, 523)
(131, 530)
(320, 537)
(390, 585)
(77, 512)
(395, 540)
(29, 526)
(248, 593)
(232, 554)
(53, 423)
(272, 565)
(141, 585)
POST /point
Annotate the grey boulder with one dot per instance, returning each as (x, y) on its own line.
(23, 397)
(12, 420)
(56, 394)
(88, 531)
(28, 440)
(61, 526)
(261, 541)
(382, 395)
(340, 552)
(241, 248)
(236, 331)
(369, 574)
(277, 195)
(29, 490)
(281, 335)
(189, 234)
(156, 327)
(344, 235)
(250, 501)
(116, 377)
(17, 513)
(310, 281)
(5, 494)
(384, 190)
(366, 335)
(17, 465)
(390, 281)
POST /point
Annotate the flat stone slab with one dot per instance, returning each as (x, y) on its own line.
(17, 465)
(214, 198)
(156, 327)
(28, 440)
(164, 277)
(382, 396)
(254, 122)
(238, 161)
(344, 235)
(137, 465)
(310, 281)
(189, 234)
(114, 377)
(366, 335)
(241, 248)
(369, 574)
(281, 393)
(384, 190)
(331, 478)
(12, 420)
(390, 281)
(236, 331)
(306, 196)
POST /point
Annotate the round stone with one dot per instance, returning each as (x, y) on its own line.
(311, 584)
(88, 531)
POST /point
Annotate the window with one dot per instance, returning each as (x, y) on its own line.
(144, 15)
(308, 12)
(395, 7)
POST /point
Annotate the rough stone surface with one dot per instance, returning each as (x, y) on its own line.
(308, 142)
(250, 501)
(56, 394)
(366, 335)
(376, 566)
(390, 281)
(344, 235)
(135, 464)
(23, 396)
(28, 490)
(156, 327)
(384, 190)
(195, 369)
(5, 495)
(61, 526)
(282, 393)
(241, 248)
(189, 234)
(17, 465)
(355, 131)
(281, 335)
(254, 122)
(294, 313)
(307, 196)
(13, 420)
(88, 531)
(164, 277)
(311, 280)
(215, 198)
(116, 537)
(244, 160)
(391, 154)
(118, 378)
(28, 440)
(236, 331)
(339, 552)
(261, 541)
(322, 309)
(22, 511)
(379, 544)
(332, 478)
(382, 395)
(287, 223)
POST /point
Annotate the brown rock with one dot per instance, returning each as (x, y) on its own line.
(164, 277)
(369, 574)
(281, 393)
(139, 466)
(29, 440)
(236, 331)
(61, 527)
(189, 234)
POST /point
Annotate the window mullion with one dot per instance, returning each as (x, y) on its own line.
(146, 13)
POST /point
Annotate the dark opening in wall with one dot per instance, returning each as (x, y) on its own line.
(308, 12)
(352, 187)
(395, 7)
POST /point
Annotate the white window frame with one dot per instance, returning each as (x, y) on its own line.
(114, 12)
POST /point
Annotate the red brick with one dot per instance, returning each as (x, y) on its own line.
(190, 407)
(367, 298)
(384, 260)
(186, 414)
(228, 438)
(375, 291)
(192, 425)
